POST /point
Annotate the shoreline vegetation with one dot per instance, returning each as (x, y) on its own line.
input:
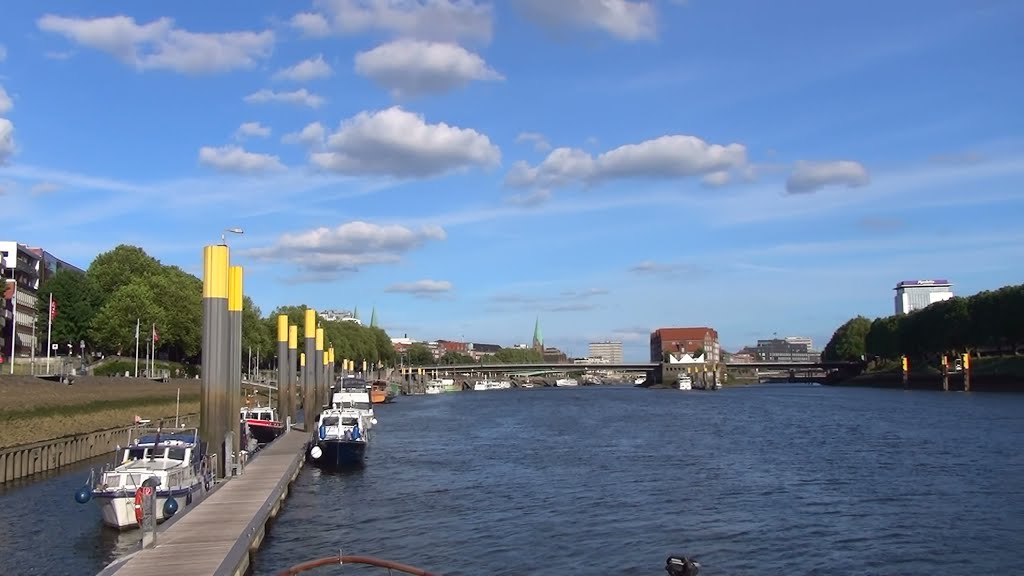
(34, 410)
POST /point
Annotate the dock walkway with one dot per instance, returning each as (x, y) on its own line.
(216, 537)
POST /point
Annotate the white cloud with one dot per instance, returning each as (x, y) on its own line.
(413, 67)
(301, 96)
(6, 140)
(311, 24)
(422, 288)
(394, 142)
(666, 269)
(309, 69)
(45, 188)
(3, 52)
(311, 135)
(160, 45)
(236, 159)
(540, 143)
(531, 198)
(6, 104)
(444, 20)
(810, 176)
(349, 246)
(665, 157)
(252, 129)
(623, 19)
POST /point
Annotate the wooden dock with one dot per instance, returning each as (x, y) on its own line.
(217, 536)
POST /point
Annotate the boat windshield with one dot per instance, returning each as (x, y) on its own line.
(349, 421)
(356, 405)
(329, 421)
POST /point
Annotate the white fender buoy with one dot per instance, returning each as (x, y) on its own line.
(373, 420)
(316, 452)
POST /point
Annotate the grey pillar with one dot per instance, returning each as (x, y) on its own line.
(293, 362)
(233, 406)
(214, 349)
(310, 409)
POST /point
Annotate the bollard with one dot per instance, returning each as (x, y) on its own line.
(283, 409)
(293, 362)
(904, 368)
(309, 372)
(318, 370)
(233, 404)
(214, 345)
(966, 359)
(945, 373)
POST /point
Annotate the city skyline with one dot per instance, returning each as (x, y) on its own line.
(467, 167)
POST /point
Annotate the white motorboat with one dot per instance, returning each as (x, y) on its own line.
(685, 382)
(639, 380)
(340, 439)
(173, 460)
(561, 382)
(435, 387)
(354, 393)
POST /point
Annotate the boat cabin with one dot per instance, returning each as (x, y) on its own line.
(338, 425)
(264, 413)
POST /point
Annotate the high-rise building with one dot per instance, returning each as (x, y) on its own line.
(801, 340)
(778, 350)
(609, 351)
(914, 295)
(685, 340)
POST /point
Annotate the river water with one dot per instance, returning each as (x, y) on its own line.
(758, 480)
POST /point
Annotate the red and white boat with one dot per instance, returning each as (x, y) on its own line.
(263, 422)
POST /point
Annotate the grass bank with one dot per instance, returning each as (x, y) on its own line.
(1000, 374)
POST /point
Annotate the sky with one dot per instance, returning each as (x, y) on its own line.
(466, 167)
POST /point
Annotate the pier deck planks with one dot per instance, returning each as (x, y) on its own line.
(202, 540)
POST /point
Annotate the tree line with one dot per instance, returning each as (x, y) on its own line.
(418, 354)
(126, 285)
(992, 321)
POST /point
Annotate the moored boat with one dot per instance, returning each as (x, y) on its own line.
(340, 439)
(685, 382)
(380, 393)
(434, 387)
(354, 393)
(173, 460)
(562, 382)
(263, 422)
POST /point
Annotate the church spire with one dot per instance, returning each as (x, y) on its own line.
(538, 338)
(373, 318)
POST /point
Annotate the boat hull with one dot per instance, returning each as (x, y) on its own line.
(117, 509)
(265, 432)
(336, 454)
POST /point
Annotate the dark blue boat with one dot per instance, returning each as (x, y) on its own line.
(339, 441)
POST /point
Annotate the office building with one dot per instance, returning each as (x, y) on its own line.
(686, 340)
(609, 351)
(779, 350)
(914, 295)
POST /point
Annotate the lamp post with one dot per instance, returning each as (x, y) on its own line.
(235, 230)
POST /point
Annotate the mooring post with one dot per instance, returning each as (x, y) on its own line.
(293, 380)
(318, 369)
(302, 390)
(214, 346)
(234, 396)
(967, 371)
(283, 411)
(310, 409)
(903, 371)
(330, 368)
(945, 373)
(148, 516)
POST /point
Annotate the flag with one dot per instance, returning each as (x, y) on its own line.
(137, 329)
(156, 337)
(53, 308)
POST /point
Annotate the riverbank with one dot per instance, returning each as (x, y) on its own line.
(1004, 374)
(34, 410)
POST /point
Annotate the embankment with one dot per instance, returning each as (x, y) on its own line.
(987, 375)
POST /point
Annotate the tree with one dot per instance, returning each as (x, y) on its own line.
(453, 358)
(118, 267)
(882, 339)
(76, 300)
(258, 335)
(419, 355)
(848, 343)
(113, 327)
(179, 297)
(518, 356)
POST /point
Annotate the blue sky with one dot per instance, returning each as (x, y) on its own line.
(612, 166)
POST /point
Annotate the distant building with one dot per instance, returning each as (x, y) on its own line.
(555, 356)
(784, 351)
(801, 340)
(609, 351)
(24, 269)
(478, 350)
(914, 295)
(686, 340)
(593, 360)
(340, 316)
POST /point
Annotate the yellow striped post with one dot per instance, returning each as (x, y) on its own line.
(213, 386)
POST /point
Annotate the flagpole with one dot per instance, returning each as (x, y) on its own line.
(152, 345)
(14, 324)
(49, 325)
(138, 322)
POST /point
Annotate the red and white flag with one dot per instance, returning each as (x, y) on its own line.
(53, 308)
(156, 337)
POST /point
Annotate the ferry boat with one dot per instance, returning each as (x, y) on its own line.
(340, 439)
(685, 382)
(173, 458)
(264, 425)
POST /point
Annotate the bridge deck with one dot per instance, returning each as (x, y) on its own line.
(216, 536)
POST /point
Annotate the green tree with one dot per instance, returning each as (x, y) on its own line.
(419, 355)
(452, 358)
(113, 327)
(77, 301)
(118, 267)
(848, 343)
(179, 323)
(258, 334)
(882, 339)
(518, 356)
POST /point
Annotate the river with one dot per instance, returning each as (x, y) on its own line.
(758, 480)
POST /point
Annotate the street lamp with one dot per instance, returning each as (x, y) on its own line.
(233, 231)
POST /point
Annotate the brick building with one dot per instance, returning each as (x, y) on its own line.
(688, 340)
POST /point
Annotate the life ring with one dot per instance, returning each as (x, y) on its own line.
(138, 506)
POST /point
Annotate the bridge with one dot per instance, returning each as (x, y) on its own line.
(628, 366)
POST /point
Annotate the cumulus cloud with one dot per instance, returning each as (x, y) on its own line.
(540, 143)
(252, 129)
(675, 156)
(161, 45)
(6, 104)
(312, 135)
(236, 159)
(309, 69)
(623, 19)
(443, 20)
(422, 288)
(6, 140)
(528, 199)
(808, 176)
(415, 67)
(394, 142)
(301, 96)
(349, 246)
